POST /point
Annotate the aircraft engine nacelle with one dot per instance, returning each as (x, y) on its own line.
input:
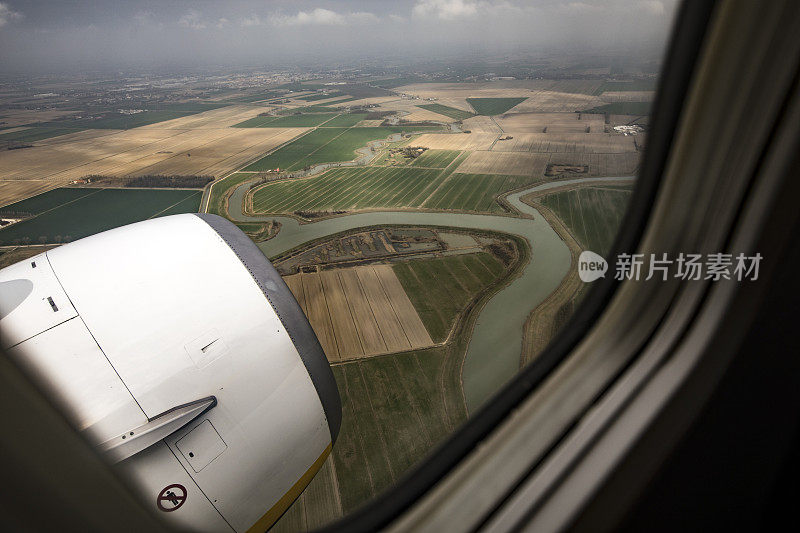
(179, 351)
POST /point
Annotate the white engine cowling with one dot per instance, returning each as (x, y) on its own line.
(180, 352)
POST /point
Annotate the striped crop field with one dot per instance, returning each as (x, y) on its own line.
(435, 158)
(322, 145)
(474, 192)
(289, 155)
(394, 410)
(441, 288)
(346, 189)
(592, 214)
(349, 188)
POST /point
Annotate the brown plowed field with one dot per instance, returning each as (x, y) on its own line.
(197, 144)
(359, 312)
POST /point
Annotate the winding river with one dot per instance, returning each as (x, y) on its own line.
(493, 353)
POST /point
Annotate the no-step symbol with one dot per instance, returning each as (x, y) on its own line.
(171, 498)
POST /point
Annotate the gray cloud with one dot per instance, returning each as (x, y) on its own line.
(323, 17)
(8, 15)
(258, 32)
(445, 9)
(192, 19)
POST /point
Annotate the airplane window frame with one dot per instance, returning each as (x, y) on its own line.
(680, 58)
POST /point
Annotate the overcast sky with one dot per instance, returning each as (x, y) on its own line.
(39, 35)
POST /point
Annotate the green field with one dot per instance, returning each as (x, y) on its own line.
(344, 189)
(216, 203)
(388, 424)
(493, 106)
(349, 188)
(451, 112)
(311, 109)
(632, 85)
(435, 158)
(314, 97)
(441, 288)
(474, 192)
(353, 188)
(396, 408)
(622, 108)
(69, 214)
(296, 150)
(323, 145)
(345, 120)
(289, 121)
(37, 133)
(592, 214)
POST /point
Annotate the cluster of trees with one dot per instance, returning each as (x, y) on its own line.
(155, 181)
(16, 145)
(318, 214)
(506, 251)
(14, 213)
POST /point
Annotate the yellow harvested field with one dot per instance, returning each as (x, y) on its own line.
(318, 313)
(417, 114)
(198, 144)
(551, 123)
(507, 163)
(408, 110)
(14, 190)
(344, 327)
(597, 143)
(368, 330)
(557, 102)
(393, 334)
(457, 102)
(221, 154)
(481, 124)
(359, 312)
(456, 141)
(409, 320)
(222, 117)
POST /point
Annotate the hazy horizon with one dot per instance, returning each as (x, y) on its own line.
(39, 37)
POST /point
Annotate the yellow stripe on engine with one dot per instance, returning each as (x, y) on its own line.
(266, 521)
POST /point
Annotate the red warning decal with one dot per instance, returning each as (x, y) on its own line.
(171, 498)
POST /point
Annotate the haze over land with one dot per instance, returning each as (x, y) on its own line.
(44, 37)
